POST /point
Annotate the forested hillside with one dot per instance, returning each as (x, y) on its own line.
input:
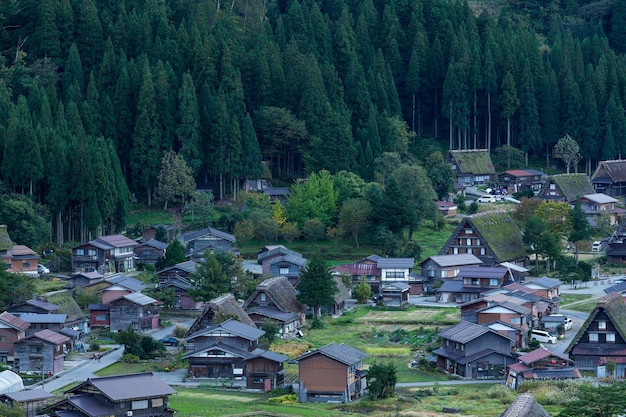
(94, 92)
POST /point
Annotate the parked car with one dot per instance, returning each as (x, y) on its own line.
(596, 246)
(487, 199)
(42, 269)
(169, 341)
(542, 336)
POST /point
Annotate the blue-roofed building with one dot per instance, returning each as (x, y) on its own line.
(199, 241)
(280, 261)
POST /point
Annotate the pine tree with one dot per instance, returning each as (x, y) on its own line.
(188, 131)
(510, 103)
(317, 287)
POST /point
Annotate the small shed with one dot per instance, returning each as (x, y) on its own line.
(30, 400)
(395, 294)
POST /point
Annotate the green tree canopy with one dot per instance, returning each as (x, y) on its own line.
(317, 287)
(315, 198)
(176, 181)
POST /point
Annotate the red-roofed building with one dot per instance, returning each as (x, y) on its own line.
(43, 351)
(540, 364)
(515, 180)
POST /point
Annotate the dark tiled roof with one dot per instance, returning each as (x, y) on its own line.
(13, 321)
(544, 282)
(43, 318)
(136, 298)
(117, 241)
(187, 266)
(274, 314)
(619, 288)
(155, 244)
(244, 354)
(233, 327)
(91, 405)
(129, 283)
(387, 263)
(128, 387)
(464, 332)
(342, 353)
(482, 272)
(99, 307)
(272, 356)
(196, 234)
(28, 395)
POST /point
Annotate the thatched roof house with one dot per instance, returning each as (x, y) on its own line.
(525, 405)
(472, 166)
(566, 187)
(492, 236)
(224, 306)
(277, 293)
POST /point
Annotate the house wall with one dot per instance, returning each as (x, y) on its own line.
(148, 254)
(293, 270)
(24, 266)
(100, 318)
(200, 342)
(210, 242)
(319, 373)
(110, 295)
(510, 318)
(29, 355)
(37, 327)
(124, 313)
(172, 274)
(260, 369)
(8, 336)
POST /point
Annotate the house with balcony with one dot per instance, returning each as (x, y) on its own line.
(134, 310)
(42, 352)
(491, 236)
(332, 373)
(149, 252)
(472, 166)
(379, 271)
(230, 350)
(472, 350)
(471, 282)
(602, 338)
(597, 205)
(516, 180)
(106, 254)
(438, 268)
(12, 329)
(133, 395)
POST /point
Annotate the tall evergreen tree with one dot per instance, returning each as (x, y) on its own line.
(188, 131)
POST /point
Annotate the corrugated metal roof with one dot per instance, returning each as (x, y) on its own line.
(482, 272)
(43, 318)
(126, 282)
(137, 298)
(402, 263)
(29, 395)
(13, 321)
(48, 336)
(456, 260)
(340, 352)
(117, 241)
(127, 387)
(600, 198)
(464, 332)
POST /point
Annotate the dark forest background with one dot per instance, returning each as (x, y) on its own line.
(94, 92)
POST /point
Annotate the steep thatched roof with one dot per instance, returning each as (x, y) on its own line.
(614, 307)
(67, 305)
(5, 239)
(525, 405)
(500, 233)
(615, 170)
(280, 292)
(343, 292)
(474, 161)
(573, 186)
(225, 305)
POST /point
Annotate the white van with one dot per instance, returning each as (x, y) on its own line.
(567, 322)
(542, 336)
(596, 246)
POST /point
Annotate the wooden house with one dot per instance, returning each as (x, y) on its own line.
(76, 318)
(177, 278)
(447, 209)
(216, 310)
(610, 177)
(491, 236)
(12, 329)
(332, 373)
(199, 241)
(20, 259)
(602, 338)
(545, 287)
(471, 350)
(437, 268)
(99, 315)
(509, 314)
(84, 279)
(280, 261)
(472, 166)
(106, 254)
(149, 252)
(516, 180)
(471, 282)
(540, 364)
(566, 187)
(379, 271)
(30, 400)
(39, 322)
(616, 246)
(265, 370)
(220, 351)
(34, 305)
(275, 299)
(120, 285)
(597, 205)
(395, 294)
(135, 310)
(42, 352)
(133, 395)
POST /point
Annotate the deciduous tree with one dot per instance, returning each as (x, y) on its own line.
(354, 217)
(176, 181)
(567, 150)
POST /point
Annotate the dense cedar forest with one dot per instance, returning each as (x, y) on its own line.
(94, 92)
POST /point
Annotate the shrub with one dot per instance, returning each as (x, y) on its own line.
(130, 358)
(94, 347)
(313, 230)
(284, 399)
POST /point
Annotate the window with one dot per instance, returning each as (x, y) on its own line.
(482, 251)
(456, 251)
(468, 242)
(515, 320)
(263, 296)
(25, 264)
(593, 337)
(36, 348)
(475, 281)
(610, 338)
(101, 317)
(395, 273)
(553, 186)
(157, 402)
(3, 338)
(139, 405)
(91, 252)
(431, 273)
(80, 252)
(493, 282)
(284, 270)
(602, 325)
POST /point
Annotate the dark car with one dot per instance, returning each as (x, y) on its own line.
(169, 341)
